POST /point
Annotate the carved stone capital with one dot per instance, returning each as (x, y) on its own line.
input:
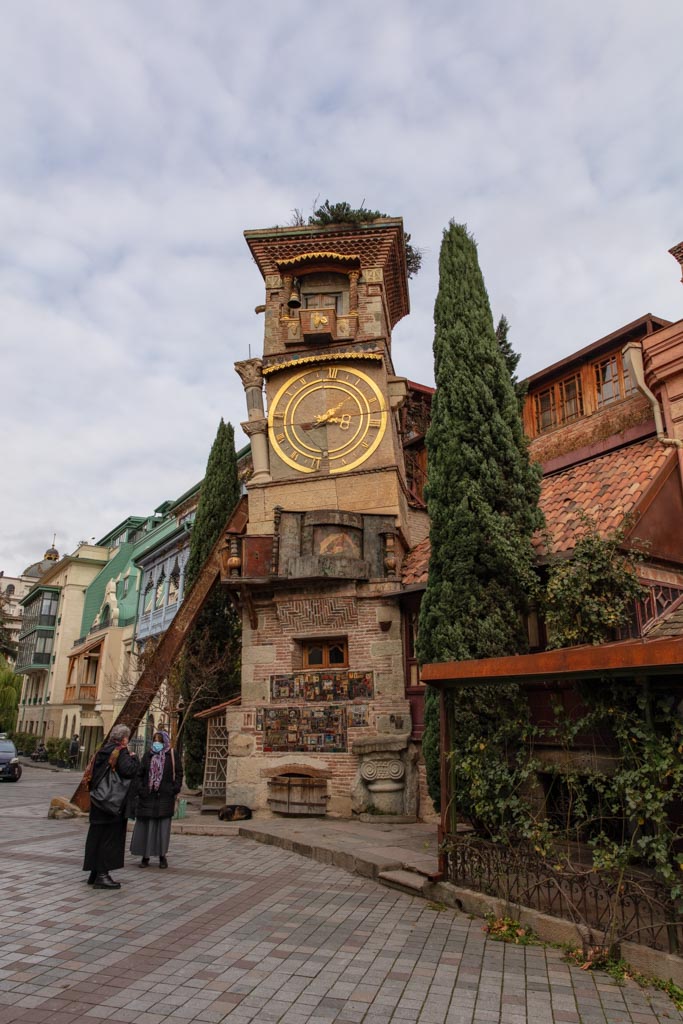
(380, 770)
(252, 427)
(251, 372)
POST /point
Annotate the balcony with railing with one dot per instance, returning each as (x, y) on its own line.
(83, 695)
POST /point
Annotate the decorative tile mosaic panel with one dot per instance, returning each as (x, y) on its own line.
(321, 687)
(306, 730)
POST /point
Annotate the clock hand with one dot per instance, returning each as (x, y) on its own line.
(325, 417)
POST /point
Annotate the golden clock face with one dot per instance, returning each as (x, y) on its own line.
(328, 419)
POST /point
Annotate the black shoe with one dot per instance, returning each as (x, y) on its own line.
(91, 877)
(144, 863)
(163, 863)
(105, 881)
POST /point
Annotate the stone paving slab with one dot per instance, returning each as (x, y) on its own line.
(240, 932)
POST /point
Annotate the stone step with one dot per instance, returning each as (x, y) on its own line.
(406, 881)
(204, 828)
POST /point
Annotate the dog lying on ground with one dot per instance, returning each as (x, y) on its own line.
(234, 812)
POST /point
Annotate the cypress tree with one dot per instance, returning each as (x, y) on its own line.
(482, 493)
(511, 360)
(210, 670)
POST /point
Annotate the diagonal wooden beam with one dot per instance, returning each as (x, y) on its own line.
(170, 645)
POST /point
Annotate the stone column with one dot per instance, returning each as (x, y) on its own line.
(256, 427)
(353, 290)
(257, 432)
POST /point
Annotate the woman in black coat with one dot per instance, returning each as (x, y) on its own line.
(105, 845)
(159, 782)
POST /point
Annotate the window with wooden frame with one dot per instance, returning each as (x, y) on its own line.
(558, 404)
(332, 653)
(612, 380)
(571, 398)
(322, 300)
(160, 591)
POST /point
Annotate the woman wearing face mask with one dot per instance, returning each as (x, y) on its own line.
(159, 782)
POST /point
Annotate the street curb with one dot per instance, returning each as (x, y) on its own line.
(368, 866)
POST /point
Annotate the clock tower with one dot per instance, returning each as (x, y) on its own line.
(315, 556)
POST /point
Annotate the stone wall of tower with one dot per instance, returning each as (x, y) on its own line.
(348, 724)
(370, 621)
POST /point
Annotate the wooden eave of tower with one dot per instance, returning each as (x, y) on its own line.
(379, 243)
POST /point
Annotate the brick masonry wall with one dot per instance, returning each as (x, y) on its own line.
(274, 647)
(589, 429)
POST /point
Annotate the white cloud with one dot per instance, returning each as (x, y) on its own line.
(139, 141)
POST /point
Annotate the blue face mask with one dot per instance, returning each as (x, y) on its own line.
(157, 747)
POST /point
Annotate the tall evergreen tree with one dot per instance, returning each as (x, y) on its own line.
(511, 360)
(210, 669)
(482, 492)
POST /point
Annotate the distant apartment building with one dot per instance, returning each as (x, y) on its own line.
(12, 591)
(52, 612)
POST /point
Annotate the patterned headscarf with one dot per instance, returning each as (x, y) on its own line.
(156, 765)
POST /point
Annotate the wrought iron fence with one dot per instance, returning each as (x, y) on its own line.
(636, 908)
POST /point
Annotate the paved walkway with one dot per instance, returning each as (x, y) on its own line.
(367, 848)
(237, 931)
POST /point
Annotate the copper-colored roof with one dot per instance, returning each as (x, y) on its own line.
(634, 658)
(217, 709)
(606, 489)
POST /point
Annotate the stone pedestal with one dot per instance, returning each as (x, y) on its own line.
(387, 776)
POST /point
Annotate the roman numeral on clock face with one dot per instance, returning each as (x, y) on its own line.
(333, 372)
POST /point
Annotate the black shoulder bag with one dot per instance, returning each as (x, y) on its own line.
(109, 795)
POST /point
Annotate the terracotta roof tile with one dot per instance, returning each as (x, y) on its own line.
(605, 488)
(416, 564)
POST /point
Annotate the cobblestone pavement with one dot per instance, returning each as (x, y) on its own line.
(236, 931)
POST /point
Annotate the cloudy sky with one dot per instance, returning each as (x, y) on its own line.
(140, 139)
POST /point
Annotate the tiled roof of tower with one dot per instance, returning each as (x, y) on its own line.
(377, 243)
(677, 252)
(606, 489)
